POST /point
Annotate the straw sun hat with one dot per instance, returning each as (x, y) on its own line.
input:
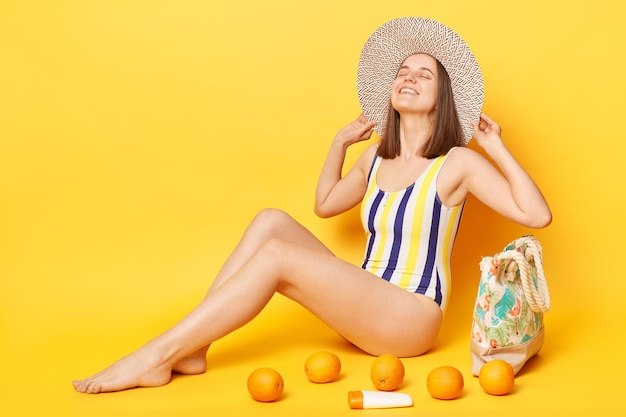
(396, 40)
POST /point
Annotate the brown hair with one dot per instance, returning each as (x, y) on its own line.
(446, 134)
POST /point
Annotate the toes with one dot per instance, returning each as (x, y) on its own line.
(79, 385)
(88, 386)
(94, 388)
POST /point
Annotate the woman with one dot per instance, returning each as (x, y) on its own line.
(412, 187)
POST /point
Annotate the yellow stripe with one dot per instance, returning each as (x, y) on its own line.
(366, 199)
(371, 186)
(447, 243)
(418, 220)
(382, 243)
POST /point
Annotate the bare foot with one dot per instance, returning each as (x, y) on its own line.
(193, 364)
(134, 370)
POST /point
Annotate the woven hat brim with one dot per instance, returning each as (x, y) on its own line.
(400, 38)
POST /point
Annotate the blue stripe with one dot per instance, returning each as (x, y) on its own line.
(398, 227)
(370, 226)
(432, 247)
(438, 293)
(369, 174)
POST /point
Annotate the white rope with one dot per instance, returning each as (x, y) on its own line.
(538, 297)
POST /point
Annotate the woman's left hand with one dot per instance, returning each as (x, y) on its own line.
(486, 131)
(359, 130)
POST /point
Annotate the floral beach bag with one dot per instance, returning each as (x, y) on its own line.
(508, 313)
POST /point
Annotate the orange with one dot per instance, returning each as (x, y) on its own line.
(387, 372)
(322, 367)
(497, 377)
(445, 383)
(265, 384)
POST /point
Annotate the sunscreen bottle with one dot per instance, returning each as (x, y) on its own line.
(378, 399)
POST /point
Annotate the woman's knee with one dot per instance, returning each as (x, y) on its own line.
(273, 256)
(271, 219)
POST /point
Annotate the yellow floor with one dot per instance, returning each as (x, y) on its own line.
(49, 340)
(558, 382)
(138, 138)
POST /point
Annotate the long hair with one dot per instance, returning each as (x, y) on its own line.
(446, 133)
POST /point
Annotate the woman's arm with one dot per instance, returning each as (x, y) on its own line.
(510, 191)
(336, 194)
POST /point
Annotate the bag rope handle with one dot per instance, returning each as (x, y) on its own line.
(538, 296)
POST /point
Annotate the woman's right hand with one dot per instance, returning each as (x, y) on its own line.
(336, 193)
(359, 130)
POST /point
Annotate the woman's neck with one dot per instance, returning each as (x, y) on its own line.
(414, 133)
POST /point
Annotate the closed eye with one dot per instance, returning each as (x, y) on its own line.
(427, 75)
(422, 72)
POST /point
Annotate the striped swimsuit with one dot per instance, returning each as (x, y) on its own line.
(410, 234)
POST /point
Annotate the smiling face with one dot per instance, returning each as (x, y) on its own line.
(422, 92)
(414, 91)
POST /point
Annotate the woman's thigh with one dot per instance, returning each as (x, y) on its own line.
(375, 315)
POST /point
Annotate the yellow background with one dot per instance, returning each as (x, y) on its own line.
(138, 138)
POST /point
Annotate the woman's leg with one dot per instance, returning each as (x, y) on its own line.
(371, 313)
(268, 224)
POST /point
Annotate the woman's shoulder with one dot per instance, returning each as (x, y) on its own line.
(456, 168)
(462, 155)
(370, 151)
(368, 155)
(460, 150)
(459, 162)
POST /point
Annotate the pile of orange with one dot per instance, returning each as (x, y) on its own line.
(387, 374)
